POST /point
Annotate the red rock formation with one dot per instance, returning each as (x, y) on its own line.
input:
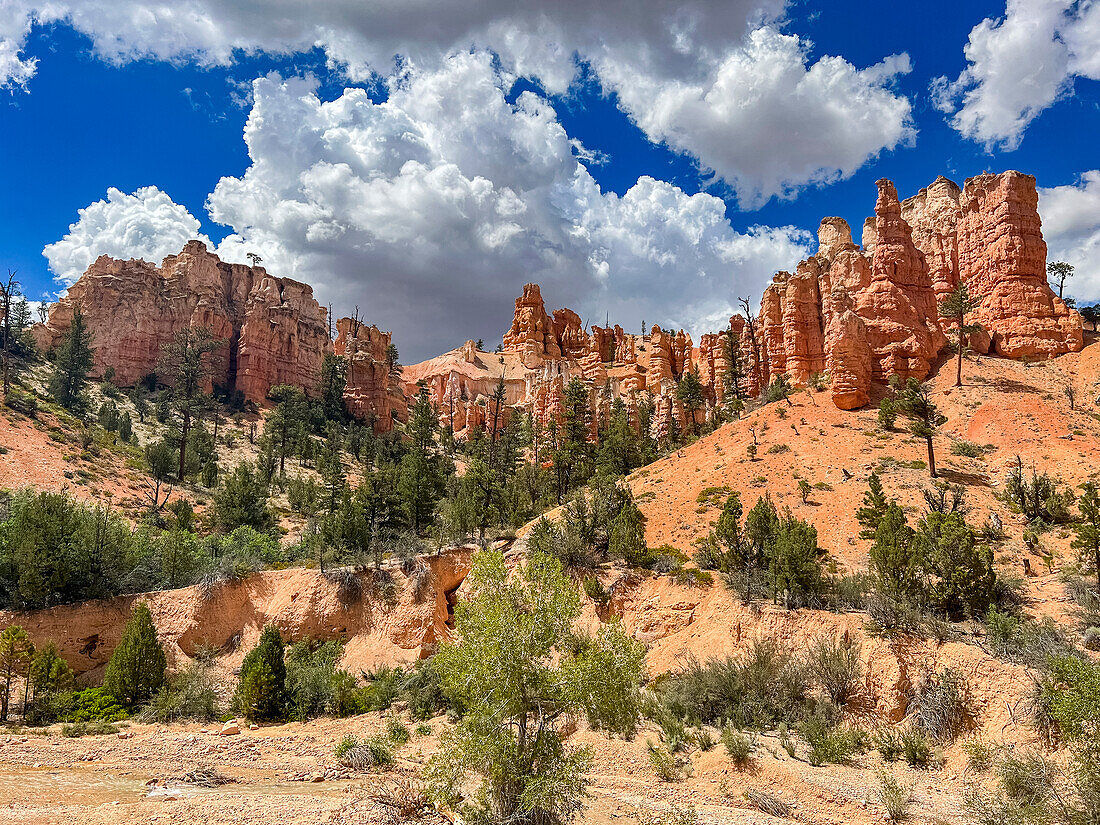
(1002, 259)
(849, 352)
(770, 331)
(571, 338)
(372, 392)
(532, 332)
(899, 306)
(803, 325)
(275, 331)
(933, 215)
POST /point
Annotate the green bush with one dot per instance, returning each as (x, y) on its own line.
(916, 748)
(887, 413)
(738, 745)
(90, 705)
(261, 693)
(889, 742)
(137, 665)
(768, 687)
(98, 727)
(371, 753)
(190, 694)
(830, 742)
(966, 448)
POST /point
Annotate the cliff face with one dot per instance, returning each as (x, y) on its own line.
(373, 391)
(275, 332)
(986, 234)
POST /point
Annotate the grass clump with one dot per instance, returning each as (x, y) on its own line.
(894, 796)
(739, 745)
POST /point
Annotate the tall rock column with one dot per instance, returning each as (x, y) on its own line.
(849, 353)
(1002, 259)
(898, 306)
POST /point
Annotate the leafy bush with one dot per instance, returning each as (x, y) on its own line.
(768, 687)
(190, 694)
(917, 749)
(835, 665)
(90, 705)
(665, 764)
(979, 754)
(966, 448)
(1039, 498)
(595, 590)
(738, 745)
(889, 742)
(887, 413)
(830, 742)
(261, 693)
(98, 727)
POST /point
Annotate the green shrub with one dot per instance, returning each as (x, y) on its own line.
(966, 448)
(261, 693)
(887, 413)
(137, 665)
(665, 764)
(889, 742)
(830, 742)
(98, 727)
(595, 590)
(768, 687)
(894, 796)
(979, 754)
(835, 665)
(396, 732)
(371, 753)
(90, 705)
(190, 694)
(917, 749)
(738, 745)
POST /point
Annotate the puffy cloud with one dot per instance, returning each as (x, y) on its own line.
(730, 89)
(1020, 65)
(430, 210)
(146, 224)
(15, 25)
(830, 118)
(1071, 226)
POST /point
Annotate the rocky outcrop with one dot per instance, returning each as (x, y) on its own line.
(373, 391)
(845, 307)
(531, 335)
(898, 306)
(274, 330)
(1002, 259)
(849, 352)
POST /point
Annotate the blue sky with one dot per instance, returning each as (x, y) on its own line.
(167, 108)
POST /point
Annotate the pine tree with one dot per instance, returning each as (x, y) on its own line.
(421, 477)
(15, 317)
(1059, 271)
(689, 392)
(728, 532)
(914, 403)
(873, 509)
(334, 378)
(188, 361)
(72, 365)
(1087, 529)
(261, 693)
(894, 558)
(955, 307)
(137, 665)
(16, 651)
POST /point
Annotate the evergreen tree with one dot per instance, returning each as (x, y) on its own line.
(730, 535)
(15, 318)
(49, 673)
(188, 362)
(794, 565)
(959, 569)
(137, 665)
(619, 448)
(285, 423)
(894, 558)
(1087, 539)
(873, 509)
(571, 451)
(956, 307)
(72, 365)
(261, 693)
(241, 500)
(421, 477)
(334, 378)
(925, 419)
(689, 392)
(1059, 271)
(16, 652)
(125, 427)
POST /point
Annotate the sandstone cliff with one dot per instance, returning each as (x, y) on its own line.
(275, 332)
(373, 391)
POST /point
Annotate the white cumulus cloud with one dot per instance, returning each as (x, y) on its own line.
(1020, 65)
(430, 210)
(718, 81)
(1071, 226)
(147, 224)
